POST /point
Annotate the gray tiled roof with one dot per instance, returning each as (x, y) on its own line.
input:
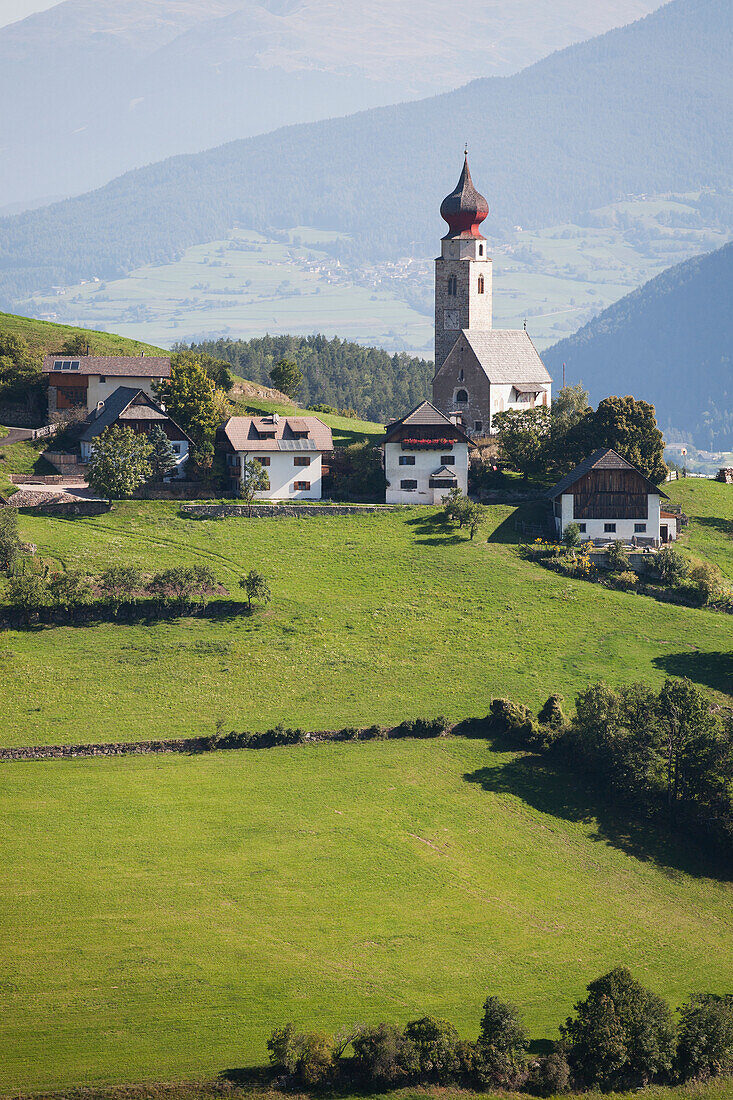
(123, 366)
(507, 356)
(605, 458)
(118, 407)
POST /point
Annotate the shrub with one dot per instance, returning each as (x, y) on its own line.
(431, 1049)
(29, 593)
(617, 557)
(120, 583)
(10, 544)
(708, 580)
(513, 720)
(501, 1048)
(382, 1053)
(623, 1035)
(71, 589)
(552, 714)
(255, 587)
(705, 1046)
(671, 565)
(549, 1075)
(373, 733)
(626, 581)
(307, 1058)
(571, 535)
(422, 727)
(184, 586)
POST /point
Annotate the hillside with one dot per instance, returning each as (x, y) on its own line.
(564, 136)
(44, 337)
(259, 64)
(669, 342)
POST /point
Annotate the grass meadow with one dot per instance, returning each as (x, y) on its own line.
(374, 619)
(162, 914)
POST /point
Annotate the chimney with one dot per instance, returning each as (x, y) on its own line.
(99, 410)
(142, 354)
(454, 418)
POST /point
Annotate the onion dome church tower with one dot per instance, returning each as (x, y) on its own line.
(463, 269)
(479, 370)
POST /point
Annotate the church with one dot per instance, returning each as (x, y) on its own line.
(479, 370)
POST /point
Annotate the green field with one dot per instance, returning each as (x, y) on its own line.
(374, 619)
(710, 507)
(46, 336)
(162, 914)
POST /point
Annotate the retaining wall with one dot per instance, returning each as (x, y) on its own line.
(223, 511)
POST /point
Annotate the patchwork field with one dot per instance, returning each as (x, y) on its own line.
(160, 915)
(374, 618)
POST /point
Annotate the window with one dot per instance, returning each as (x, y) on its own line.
(609, 528)
(407, 460)
(480, 250)
(408, 483)
(462, 397)
(58, 365)
(460, 375)
(453, 286)
(478, 425)
(102, 378)
(480, 284)
(176, 448)
(301, 485)
(447, 460)
(301, 461)
(581, 528)
(263, 461)
(639, 528)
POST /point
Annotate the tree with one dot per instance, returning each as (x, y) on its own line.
(357, 471)
(571, 535)
(569, 407)
(622, 1035)
(382, 1053)
(28, 593)
(71, 589)
(671, 565)
(163, 459)
(185, 587)
(255, 587)
(687, 723)
(254, 479)
(216, 369)
(476, 515)
(188, 396)
(287, 376)
(630, 428)
(501, 1049)
(19, 368)
(78, 344)
(432, 1049)
(120, 584)
(523, 439)
(9, 538)
(705, 1045)
(119, 462)
(308, 1058)
(617, 557)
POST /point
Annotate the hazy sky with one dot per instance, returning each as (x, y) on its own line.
(11, 10)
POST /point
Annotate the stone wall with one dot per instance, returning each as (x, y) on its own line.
(19, 416)
(276, 511)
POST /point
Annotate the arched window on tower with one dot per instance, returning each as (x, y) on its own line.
(480, 284)
(453, 286)
(462, 397)
(460, 375)
(480, 250)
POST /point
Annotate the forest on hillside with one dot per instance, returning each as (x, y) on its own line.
(643, 108)
(336, 372)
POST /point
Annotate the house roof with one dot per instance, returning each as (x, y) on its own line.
(117, 366)
(506, 356)
(444, 471)
(243, 432)
(605, 458)
(119, 406)
(425, 415)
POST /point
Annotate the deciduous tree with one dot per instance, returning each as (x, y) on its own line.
(287, 376)
(523, 439)
(189, 399)
(255, 588)
(119, 462)
(254, 479)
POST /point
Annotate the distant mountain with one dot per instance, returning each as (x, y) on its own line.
(92, 88)
(671, 343)
(645, 108)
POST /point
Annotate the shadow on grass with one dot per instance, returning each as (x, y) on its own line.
(433, 529)
(145, 613)
(717, 524)
(714, 670)
(560, 793)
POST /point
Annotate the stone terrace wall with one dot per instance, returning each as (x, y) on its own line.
(223, 511)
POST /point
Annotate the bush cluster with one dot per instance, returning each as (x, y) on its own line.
(621, 1036)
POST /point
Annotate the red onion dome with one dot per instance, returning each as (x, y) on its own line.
(464, 209)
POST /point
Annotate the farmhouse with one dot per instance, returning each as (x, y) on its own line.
(610, 499)
(133, 408)
(479, 370)
(290, 448)
(425, 456)
(83, 381)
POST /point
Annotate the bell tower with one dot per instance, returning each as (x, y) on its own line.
(463, 269)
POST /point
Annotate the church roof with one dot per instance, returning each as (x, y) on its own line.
(464, 209)
(605, 458)
(507, 356)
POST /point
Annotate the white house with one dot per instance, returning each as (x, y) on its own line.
(610, 499)
(425, 456)
(132, 408)
(85, 380)
(290, 449)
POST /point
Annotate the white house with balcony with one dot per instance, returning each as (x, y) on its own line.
(425, 456)
(290, 449)
(610, 499)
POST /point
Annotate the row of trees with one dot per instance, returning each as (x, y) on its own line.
(668, 754)
(554, 440)
(620, 1036)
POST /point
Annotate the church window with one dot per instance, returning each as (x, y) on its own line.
(480, 250)
(478, 425)
(462, 397)
(480, 284)
(460, 375)
(453, 286)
